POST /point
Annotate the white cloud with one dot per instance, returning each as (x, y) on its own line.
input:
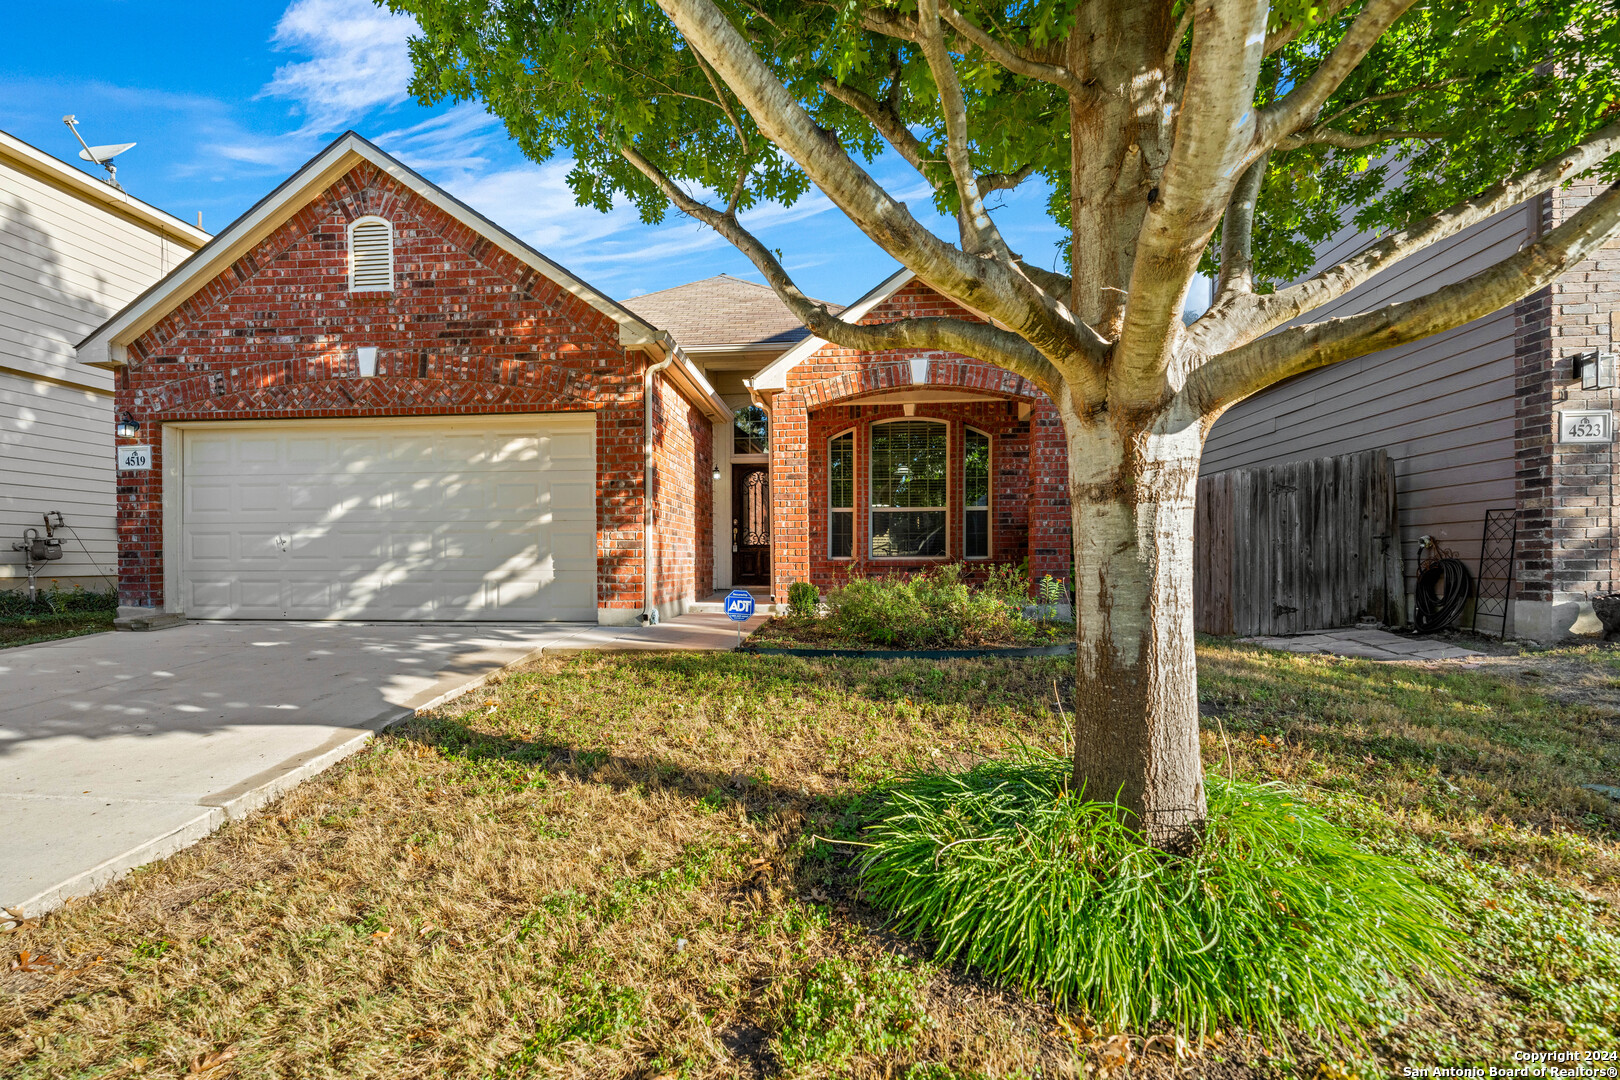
(358, 61)
(458, 142)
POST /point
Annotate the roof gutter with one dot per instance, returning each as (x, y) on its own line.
(691, 379)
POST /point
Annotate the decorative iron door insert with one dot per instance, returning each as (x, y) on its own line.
(750, 525)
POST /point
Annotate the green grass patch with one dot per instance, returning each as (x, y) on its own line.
(843, 1012)
(622, 869)
(1277, 918)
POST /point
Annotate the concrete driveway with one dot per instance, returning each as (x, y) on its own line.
(117, 749)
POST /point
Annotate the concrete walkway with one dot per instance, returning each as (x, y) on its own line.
(1367, 645)
(118, 749)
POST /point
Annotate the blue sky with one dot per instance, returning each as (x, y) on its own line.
(225, 99)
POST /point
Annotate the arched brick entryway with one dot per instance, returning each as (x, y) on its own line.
(1043, 536)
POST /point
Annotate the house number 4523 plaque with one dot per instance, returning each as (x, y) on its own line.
(1589, 426)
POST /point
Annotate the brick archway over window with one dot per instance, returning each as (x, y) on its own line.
(877, 374)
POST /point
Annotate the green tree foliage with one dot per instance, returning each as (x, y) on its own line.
(1482, 88)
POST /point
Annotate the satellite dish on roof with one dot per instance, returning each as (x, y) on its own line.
(100, 155)
(103, 154)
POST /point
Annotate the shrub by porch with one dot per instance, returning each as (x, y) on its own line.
(936, 608)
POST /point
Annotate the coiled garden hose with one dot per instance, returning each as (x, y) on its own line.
(1442, 591)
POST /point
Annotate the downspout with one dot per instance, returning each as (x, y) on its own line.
(649, 610)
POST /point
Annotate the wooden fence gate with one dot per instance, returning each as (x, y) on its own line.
(1305, 545)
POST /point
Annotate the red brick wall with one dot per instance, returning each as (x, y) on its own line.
(468, 329)
(1009, 477)
(1032, 486)
(683, 497)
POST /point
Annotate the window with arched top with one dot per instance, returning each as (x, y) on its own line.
(371, 255)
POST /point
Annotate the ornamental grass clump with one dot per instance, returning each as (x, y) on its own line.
(1276, 917)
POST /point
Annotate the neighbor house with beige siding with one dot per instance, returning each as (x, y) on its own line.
(1470, 418)
(73, 250)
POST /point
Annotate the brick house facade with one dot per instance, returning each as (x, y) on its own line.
(362, 400)
(820, 391)
(264, 332)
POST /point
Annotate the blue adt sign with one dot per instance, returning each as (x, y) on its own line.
(739, 605)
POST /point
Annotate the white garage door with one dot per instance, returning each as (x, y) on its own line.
(489, 518)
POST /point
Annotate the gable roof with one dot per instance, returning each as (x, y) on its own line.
(723, 311)
(774, 377)
(15, 152)
(105, 347)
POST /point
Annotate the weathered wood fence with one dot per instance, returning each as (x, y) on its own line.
(1283, 549)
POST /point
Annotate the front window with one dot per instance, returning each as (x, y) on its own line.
(976, 484)
(841, 495)
(752, 433)
(908, 489)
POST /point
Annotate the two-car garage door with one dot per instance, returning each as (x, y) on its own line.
(487, 518)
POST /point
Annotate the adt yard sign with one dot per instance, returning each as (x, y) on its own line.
(739, 605)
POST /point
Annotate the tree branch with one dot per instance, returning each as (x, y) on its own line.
(995, 181)
(1286, 33)
(1300, 105)
(978, 339)
(888, 123)
(1391, 95)
(1234, 320)
(1233, 376)
(979, 233)
(1055, 284)
(1213, 140)
(881, 115)
(1015, 61)
(981, 284)
(1183, 24)
(1346, 140)
(1237, 232)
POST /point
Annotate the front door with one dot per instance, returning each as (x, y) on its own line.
(750, 525)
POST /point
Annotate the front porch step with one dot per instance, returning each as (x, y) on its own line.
(718, 607)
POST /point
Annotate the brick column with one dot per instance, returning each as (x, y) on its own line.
(1050, 521)
(1567, 548)
(790, 492)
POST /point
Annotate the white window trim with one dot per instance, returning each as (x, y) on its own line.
(854, 461)
(946, 509)
(389, 225)
(989, 497)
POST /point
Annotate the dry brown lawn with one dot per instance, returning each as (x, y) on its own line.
(620, 866)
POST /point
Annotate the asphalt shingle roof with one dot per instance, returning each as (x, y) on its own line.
(722, 310)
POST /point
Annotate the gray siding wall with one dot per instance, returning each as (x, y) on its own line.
(1443, 407)
(67, 263)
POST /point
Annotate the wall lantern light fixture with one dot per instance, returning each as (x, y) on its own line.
(1596, 370)
(128, 427)
(716, 476)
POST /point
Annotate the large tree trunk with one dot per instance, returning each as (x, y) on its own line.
(1132, 492)
(1119, 139)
